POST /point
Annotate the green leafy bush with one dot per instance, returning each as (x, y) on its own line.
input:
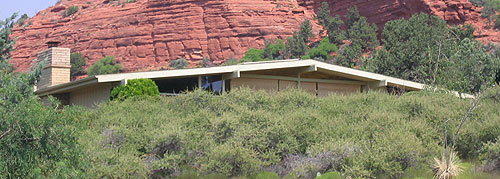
(322, 51)
(135, 87)
(70, 11)
(36, 140)
(78, 63)
(180, 63)
(107, 65)
(252, 55)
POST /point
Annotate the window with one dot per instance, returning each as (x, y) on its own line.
(175, 86)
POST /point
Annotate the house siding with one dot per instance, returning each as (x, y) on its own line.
(91, 96)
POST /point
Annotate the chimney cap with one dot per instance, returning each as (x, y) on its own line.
(53, 43)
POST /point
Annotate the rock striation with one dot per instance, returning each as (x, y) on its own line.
(148, 34)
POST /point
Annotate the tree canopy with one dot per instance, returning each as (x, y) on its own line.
(107, 65)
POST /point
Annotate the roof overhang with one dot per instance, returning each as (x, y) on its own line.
(234, 71)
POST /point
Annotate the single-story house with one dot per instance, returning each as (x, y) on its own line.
(316, 77)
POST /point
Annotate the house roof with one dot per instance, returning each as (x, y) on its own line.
(345, 72)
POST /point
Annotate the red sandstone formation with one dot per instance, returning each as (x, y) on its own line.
(147, 34)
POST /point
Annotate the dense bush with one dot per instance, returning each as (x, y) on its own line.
(180, 63)
(70, 11)
(322, 51)
(491, 155)
(289, 133)
(107, 65)
(78, 63)
(36, 140)
(135, 87)
(423, 49)
(271, 51)
(252, 55)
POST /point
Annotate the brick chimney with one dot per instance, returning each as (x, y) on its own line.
(57, 66)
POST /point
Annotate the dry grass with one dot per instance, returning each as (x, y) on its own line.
(448, 167)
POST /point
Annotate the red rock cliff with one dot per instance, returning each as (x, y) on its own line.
(147, 34)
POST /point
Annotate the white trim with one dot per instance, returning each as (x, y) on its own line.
(303, 79)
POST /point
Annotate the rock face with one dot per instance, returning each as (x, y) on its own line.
(148, 34)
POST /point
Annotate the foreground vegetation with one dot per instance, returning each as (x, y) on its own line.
(290, 133)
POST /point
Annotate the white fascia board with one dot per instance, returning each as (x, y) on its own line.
(203, 71)
(66, 86)
(391, 81)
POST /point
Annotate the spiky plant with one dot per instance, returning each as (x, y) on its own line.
(448, 167)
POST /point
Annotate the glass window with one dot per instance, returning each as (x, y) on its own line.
(177, 85)
(212, 83)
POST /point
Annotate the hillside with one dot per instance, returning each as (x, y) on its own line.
(147, 34)
(289, 133)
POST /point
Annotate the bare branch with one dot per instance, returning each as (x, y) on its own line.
(4, 134)
(473, 106)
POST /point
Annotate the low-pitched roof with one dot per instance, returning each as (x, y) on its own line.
(244, 67)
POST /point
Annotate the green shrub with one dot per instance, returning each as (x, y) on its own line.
(107, 65)
(497, 22)
(291, 133)
(330, 175)
(180, 63)
(252, 55)
(322, 51)
(77, 63)
(267, 175)
(135, 87)
(491, 155)
(70, 11)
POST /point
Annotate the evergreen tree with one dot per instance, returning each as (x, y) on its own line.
(425, 50)
(6, 43)
(363, 34)
(274, 51)
(77, 63)
(297, 44)
(352, 16)
(335, 33)
(324, 14)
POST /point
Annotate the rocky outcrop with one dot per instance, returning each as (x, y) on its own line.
(147, 34)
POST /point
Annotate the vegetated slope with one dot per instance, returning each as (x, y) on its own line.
(291, 133)
(147, 34)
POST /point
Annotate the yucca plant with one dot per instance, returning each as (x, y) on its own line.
(449, 165)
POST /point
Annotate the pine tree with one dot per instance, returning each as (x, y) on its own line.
(297, 44)
(6, 43)
(324, 14)
(352, 16)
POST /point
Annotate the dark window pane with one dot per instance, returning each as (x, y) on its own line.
(177, 85)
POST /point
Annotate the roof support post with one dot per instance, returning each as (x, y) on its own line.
(298, 81)
(199, 82)
(124, 82)
(305, 70)
(223, 85)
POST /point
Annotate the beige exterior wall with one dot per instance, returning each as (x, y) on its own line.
(309, 87)
(284, 84)
(320, 89)
(258, 84)
(91, 96)
(325, 89)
